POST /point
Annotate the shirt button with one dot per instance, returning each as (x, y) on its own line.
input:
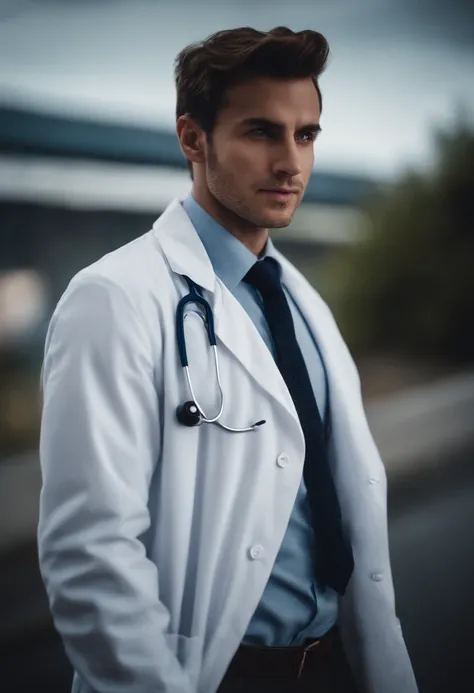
(373, 481)
(282, 460)
(377, 577)
(256, 551)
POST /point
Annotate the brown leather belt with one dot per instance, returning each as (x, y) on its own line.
(252, 662)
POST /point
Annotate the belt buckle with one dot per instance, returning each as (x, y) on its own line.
(303, 658)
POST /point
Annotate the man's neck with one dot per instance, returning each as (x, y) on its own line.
(254, 238)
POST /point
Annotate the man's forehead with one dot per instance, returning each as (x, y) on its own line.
(273, 99)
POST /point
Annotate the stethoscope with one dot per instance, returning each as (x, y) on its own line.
(191, 412)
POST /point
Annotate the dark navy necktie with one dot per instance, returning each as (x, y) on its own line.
(333, 551)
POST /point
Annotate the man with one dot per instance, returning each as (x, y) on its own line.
(247, 553)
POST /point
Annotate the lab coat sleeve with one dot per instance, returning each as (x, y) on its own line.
(98, 447)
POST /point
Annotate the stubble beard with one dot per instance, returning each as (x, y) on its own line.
(221, 187)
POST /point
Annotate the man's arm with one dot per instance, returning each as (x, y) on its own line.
(99, 444)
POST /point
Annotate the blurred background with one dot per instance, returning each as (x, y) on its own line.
(89, 159)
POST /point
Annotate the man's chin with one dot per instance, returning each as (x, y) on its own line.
(277, 221)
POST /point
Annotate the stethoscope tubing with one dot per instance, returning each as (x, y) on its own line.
(194, 296)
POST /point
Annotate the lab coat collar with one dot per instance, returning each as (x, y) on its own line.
(182, 246)
(187, 254)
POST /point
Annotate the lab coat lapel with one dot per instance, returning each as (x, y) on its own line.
(182, 246)
(341, 372)
(240, 336)
(235, 331)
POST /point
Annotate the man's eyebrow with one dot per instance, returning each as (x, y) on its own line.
(274, 125)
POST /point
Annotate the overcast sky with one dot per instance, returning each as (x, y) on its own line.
(397, 67)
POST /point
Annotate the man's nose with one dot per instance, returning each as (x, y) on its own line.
(288, 160)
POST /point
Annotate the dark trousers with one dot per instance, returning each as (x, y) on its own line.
(335, 677)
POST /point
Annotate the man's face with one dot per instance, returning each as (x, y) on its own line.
(261, 154)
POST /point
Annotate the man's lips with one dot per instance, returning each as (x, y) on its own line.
(279, 192)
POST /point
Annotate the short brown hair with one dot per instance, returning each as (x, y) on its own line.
(205, 70)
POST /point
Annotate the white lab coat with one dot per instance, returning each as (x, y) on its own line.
(156, 540)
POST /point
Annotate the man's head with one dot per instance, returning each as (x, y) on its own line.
(248, 109)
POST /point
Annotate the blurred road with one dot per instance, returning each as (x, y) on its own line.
(431, 522)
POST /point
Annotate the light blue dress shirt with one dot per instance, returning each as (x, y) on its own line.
(293, 606)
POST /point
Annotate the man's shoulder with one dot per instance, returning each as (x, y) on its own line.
(134, 268)
(128, 264)
(131, 278)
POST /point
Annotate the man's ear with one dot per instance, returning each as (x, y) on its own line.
(191, 139)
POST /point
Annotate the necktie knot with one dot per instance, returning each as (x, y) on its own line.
(264, 275)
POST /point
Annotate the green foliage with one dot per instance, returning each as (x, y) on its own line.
(409, 286)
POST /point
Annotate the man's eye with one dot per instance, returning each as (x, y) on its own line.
(258, 131)
(308, 136)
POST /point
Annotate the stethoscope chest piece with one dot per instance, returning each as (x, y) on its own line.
(188, 414)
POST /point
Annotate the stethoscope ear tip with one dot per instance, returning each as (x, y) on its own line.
(259, 423)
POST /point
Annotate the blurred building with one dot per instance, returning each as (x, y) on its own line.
(72, 190)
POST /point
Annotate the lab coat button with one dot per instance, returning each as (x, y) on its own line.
(256, 551)
(282, 460)
(373, 481)
(377, 577)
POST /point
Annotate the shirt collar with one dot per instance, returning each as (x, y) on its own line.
(230, 258)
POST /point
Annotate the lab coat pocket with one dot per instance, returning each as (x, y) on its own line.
(188, 652)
